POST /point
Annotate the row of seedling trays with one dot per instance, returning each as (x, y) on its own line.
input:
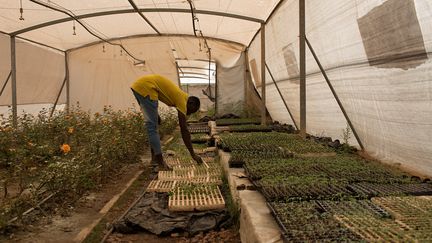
(328, 198)
(190, 186)
(355, 220)
(198, 128)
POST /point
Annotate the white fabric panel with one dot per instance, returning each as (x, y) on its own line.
(230, 94)
(255, 8)
(40, 74)
(103, 78)
(5, 68)
(389, 105)
(114, 26)
(61, 36)
(33, 14)
(32, 109)
(196, 90)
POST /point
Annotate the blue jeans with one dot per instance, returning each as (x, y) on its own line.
(150, 109)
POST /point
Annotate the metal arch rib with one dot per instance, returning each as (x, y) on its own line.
(132, 3)
(124, 11)
(156, 35)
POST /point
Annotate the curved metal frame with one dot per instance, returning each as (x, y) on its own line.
(156, 35)
(124, 11)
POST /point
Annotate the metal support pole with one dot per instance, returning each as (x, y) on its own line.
(5, 83)
(178, 75)
(14, 87)
(334, 93)
(245, 82)
(302, 28)
(216, 90)
(67, 79)
(58, 97)
(263, 81)
(209, 72)
(283, 99)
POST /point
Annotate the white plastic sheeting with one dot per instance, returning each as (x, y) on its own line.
(231, 88)
(388, 103)
(116, 24)
(100, 78)
(40, 73)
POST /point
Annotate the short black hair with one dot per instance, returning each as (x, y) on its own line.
(193, 104)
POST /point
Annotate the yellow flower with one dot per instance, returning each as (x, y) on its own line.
(70, 130)
(65, 148)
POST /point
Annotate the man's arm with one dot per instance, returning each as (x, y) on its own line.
(186, 137)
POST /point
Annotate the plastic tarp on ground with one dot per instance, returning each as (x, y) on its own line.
(377, 56)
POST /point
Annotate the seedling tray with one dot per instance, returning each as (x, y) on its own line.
(198, 199)
(306, 224)
(194, 130)
(407, 207)
(161, 186)
(373, 190)
(353, 207)
(373, 229)
(189, 176)
(292, 193)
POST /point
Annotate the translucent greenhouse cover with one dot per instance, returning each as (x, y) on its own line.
(376, 54)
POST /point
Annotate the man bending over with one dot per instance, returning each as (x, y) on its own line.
(148, 90)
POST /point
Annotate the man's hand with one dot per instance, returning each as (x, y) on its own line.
(197, 158)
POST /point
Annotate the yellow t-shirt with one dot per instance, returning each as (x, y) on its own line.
(163, 89)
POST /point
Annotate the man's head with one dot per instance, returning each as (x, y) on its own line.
(193, 105)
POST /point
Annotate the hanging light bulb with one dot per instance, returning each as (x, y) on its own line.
(103, 48)
(73, 28)
(21, 11)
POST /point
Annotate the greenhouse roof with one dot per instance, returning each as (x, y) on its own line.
(65, 24)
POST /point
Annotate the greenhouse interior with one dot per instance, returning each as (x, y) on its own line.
(314, 122)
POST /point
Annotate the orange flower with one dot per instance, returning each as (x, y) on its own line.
(65, 148)
(70, 130)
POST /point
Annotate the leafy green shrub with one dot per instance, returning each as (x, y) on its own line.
(68, 153)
